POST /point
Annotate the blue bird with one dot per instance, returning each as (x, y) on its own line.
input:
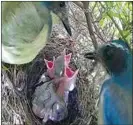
(115, 104)
(26, 28)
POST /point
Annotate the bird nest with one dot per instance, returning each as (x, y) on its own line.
(18, 86)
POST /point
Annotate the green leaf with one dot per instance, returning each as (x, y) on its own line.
(101, 22)
(126, 33)
(113, 14)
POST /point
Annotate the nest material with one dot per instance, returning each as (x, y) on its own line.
(16, 105)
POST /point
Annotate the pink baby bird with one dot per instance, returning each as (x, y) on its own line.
(50, 99)
(56, 67)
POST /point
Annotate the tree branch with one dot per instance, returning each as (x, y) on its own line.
(79, 4)
(89, 23)
(84, 6)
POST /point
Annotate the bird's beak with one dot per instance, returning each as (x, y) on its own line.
(67, 26)
(91, 55)
(63, 15)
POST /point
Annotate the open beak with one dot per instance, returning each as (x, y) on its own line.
(91, 55)
(95, 56)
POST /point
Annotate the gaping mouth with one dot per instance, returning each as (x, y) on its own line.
(97, 57)
(91, 55)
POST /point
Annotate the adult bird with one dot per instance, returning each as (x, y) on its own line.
(115, 105)
(26, 27)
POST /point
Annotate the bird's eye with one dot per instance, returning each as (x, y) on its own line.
(58, 112)
(62, 4)
(109, 52)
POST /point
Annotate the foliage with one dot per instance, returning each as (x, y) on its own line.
(117, 16)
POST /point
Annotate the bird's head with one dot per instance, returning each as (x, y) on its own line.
(59, 111)
(56, 110)
(63, 75)
(59, 8)
(112, 55)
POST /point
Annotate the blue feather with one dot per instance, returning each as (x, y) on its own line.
(46, 3)
(116, 93)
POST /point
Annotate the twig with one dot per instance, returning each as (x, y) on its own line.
(84, 6)
(88, 19)
(96, 28)
(94, 7)
(79, 4)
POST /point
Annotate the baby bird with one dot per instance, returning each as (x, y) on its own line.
(50, 100)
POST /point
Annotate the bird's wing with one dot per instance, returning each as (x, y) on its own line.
(115, 105)
(26, 27)
(20, 19)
